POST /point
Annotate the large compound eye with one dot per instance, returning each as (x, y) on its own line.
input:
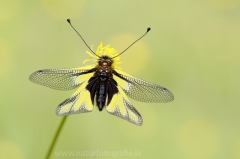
(109, 62)
(100, 61)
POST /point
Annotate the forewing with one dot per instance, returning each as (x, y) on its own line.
(141, 90)
(78, 102)
(121, 107)
(62, 79)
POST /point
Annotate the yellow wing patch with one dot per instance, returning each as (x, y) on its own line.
(120, 106)
(85, 77)
(124, 84)
(76, 105)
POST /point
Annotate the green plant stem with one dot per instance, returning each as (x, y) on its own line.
(56, 137)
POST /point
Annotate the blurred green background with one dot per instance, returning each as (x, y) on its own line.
(192, 49)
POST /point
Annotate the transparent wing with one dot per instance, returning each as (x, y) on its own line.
(121, 107)
(141, 90)
(62, 79)
(78, 102)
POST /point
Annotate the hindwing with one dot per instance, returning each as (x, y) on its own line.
(78, 102)
(120, 106)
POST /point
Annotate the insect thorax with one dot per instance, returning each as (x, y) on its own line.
(104, 67)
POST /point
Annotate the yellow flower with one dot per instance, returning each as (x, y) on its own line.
(106, 51)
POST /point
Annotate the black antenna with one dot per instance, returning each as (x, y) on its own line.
(68, 20)
(148, 29)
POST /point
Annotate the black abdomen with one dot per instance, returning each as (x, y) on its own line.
(101, 96)
(102, 88)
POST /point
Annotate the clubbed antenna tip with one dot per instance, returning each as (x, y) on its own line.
(148, 29)
(69, 21)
